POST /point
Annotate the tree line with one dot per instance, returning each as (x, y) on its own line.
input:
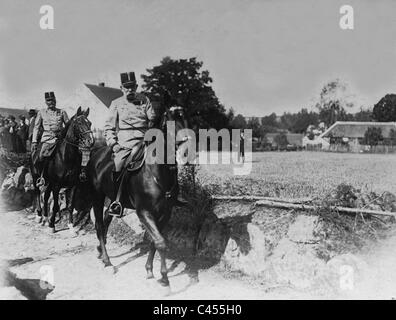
(185, 83)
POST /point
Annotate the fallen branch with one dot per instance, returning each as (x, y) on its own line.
(275, 204)
(258, 198)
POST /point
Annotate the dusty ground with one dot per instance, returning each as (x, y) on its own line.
(79, 275)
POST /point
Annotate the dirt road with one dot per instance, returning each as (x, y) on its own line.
(78, 274)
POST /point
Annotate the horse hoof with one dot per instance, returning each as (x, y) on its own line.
(109, 268)
(149, 275)
(38, 219)
(163, 282)
(53, 229)
(72, 230)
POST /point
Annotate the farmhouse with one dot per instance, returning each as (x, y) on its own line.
(293, 139)
(351, 133)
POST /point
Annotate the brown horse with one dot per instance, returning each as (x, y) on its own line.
(151, 190)
(63, 167)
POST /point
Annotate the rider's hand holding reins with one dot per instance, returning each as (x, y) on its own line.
(34, 147)
(116, 148)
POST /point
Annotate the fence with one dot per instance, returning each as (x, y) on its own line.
(355, 148)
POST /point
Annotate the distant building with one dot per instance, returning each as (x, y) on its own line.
(351, 133)
(294, 139)
(354, 131)
(5, 112)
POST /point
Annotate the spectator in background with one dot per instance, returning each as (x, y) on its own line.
(32, 118)
(242, 146)
(13, 133)
(22, 135)
(6, 135)
(2, 132)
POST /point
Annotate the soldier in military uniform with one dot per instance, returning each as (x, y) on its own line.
(130, 116)
(51, 121)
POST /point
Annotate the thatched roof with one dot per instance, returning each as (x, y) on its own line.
(352, 129)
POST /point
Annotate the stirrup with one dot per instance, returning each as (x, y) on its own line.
(111, 209)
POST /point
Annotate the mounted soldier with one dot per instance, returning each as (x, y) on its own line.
(130, 116)
(51, 121)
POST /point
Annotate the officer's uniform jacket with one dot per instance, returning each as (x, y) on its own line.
(127, 123)
(52, 122)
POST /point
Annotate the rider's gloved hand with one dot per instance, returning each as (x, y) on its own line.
(34, 147)
(116, 148)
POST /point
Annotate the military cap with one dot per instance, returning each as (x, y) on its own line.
(49, 96)
(128, 79)
(32, 112)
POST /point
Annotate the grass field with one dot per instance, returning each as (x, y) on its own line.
(303, 174)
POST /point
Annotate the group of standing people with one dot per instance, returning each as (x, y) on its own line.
(15, 136)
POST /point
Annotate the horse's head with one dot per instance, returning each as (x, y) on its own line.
(183, 137)
(79, 130)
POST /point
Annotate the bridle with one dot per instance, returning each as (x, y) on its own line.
(171, 192)
(81, 137)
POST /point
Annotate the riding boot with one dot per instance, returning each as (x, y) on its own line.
(115, 208)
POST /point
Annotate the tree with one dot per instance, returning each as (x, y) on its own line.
(334, 98)
(373, 136)
(257, 129)
(392, 137)
(363, 115)
(299, 122)
(238, 122)
(185, 83)
(385, 109)
(270, 123)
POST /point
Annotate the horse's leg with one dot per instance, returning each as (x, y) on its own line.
(55, 207)
(37, 203)
(100, 230)
(150, 259)
(47, 193)
(107, 220)
(70, 208)
(159, 242)
(163, 220)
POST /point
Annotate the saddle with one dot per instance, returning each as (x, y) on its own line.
(134, 163)
(48, 150)
(136, 160)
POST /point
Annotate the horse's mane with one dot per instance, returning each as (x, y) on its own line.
(64, 131)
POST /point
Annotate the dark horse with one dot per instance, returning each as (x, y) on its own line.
(63, 167)
(152, 191)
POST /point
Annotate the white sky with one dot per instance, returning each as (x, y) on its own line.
(264, 56)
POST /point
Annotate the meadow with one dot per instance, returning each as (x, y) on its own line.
(303, 174)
